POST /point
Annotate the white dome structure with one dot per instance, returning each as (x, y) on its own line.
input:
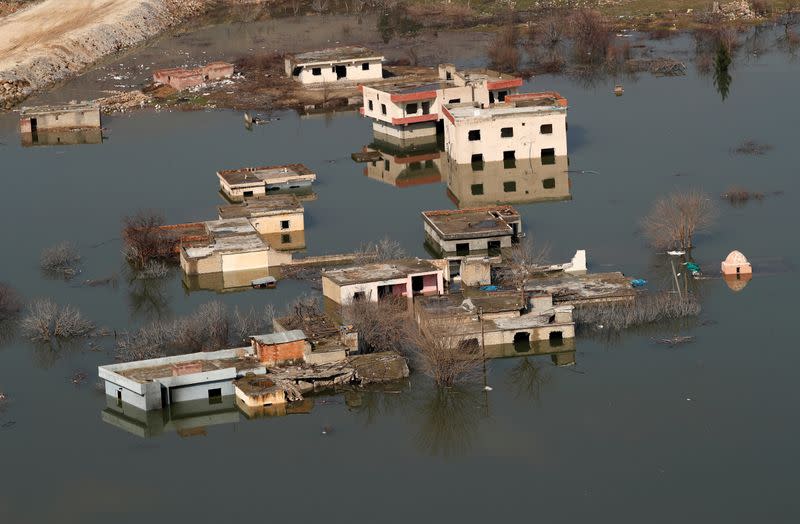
(736, 264)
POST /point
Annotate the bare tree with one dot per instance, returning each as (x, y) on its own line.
(442, 355)
(46, 320)
(382, 325)
(523, 261)
(145, 239)
(591, 36)
(645, 309)
(674, 219)
(319, 6)
(383, 250)
(61, 258)
(10, 302)
(503, 52)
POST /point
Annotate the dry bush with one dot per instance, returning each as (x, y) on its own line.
(145, 240)
(383, 250)
(522, 262)
(549, 32)
(45, 320)
(60, 258)
(446, 359)
(738, 196)
(644, 309)
(503, 53)
(591, 36)
(152, 269)
(674, 219)
(752, 147)
(381, 325)
(211, 327)
(10, 302)
(260, 62)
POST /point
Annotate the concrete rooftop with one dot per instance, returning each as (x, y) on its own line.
(262, 206)
(391, 270)
(334, 54)
(275, 174)
(472, 222)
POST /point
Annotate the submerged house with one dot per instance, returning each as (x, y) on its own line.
(84, 115)
(401, 167)
(461, 233)
(186, 77)
(531, 125)
(411, 110)
(338, 64)
(279, 219)
(406, 278)
(496, 318)
(237, 184)
(230, 245)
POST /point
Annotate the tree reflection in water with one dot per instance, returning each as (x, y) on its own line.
(148, 298)
(377, 401)
(449, 419)
(527, 378)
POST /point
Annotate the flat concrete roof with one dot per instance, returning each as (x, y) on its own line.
(381, 271)
(231, 226)
(472, 222)
(149, 372)
(334, 54)
(281, 337)
(473, 111)
(589, 287)
(262, 206)
(65, 108)
(255, 175)
(457, 303)
(248, 243)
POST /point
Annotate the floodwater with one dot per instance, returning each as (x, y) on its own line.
(635, 431)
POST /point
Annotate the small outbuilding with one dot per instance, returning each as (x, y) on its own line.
(373, 282)
(338, 64)
(238, 184)
(84, 115)
(736, 264)
(286, 347)
(185, 77)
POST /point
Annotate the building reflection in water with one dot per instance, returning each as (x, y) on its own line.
(226, 281)
(62, 137)
(520, 181)
(406, 165)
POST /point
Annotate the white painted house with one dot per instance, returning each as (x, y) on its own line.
(335, 65)
(532, 125)
(372, 282)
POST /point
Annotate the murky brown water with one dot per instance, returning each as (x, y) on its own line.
(634, 432)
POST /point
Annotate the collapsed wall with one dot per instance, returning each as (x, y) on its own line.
(57, 39)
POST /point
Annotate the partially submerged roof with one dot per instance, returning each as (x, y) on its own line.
(281, 337)
(232, 226)
(335, 54)
(235, 235)
(514, 105)
(381, 271)
(257, 175)
(472, 222)
(567, 288)
(262, 206)
(64, 108)
(239, 359)
(458, 304)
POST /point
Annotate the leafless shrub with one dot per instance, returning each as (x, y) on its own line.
(503, 53)
(145, 239)
(442, 356)
(739, 196)
(383, 250)
(522, 262)
(591, 36)
(319, 6)
(152, 269)
(10, 302)
(674, 219)
(60, 258)
(260, 62)
(645, 309)
(549, 32)
(751, 147)
(761, 7)
(381, 325)
(413, 56)
(209, 328)
(45, 320)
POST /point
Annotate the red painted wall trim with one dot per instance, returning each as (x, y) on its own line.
(410, 97)
(415, 119)
(504, 84)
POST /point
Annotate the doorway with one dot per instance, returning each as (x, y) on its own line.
(341, 71)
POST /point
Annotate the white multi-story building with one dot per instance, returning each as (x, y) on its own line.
(411, 110)
(531, 125)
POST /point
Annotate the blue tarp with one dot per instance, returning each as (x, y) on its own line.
(489, 288)
(638, 282)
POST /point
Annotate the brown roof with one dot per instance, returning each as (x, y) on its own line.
(472, 222)
(254, 175)
(261, 206)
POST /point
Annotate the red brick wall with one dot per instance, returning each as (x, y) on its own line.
(272, 354)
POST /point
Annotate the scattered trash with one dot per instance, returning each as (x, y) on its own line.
(674, 341)
(79, 378)
(487, 388)
(618, 90)
(638, 282)
(327, 430)
(693, 268)
(489, 288)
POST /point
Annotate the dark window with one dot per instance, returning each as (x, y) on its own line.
(369, 104)
(476, 189)
(365, 66)
(284, 224)
(509, 160)
(286, 239)
(462, 249)
(491, 97)
(215, 396)
(546, 129)
(383, 109)
(429, 163)
(411, 109)
(474, 134)
(386, 165)
(507, 132)
(341, 71)
(493, 246)
(509, 187)
(316, 71)
(417, 283)
(248, 193)
(448, 75)
(548, 156)
(455, 268)
(502, 95)
(359, 295)
(426, 108)
(549, 183)
(415, 166)
(556, 338)
(454, 101)
(477, 162)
